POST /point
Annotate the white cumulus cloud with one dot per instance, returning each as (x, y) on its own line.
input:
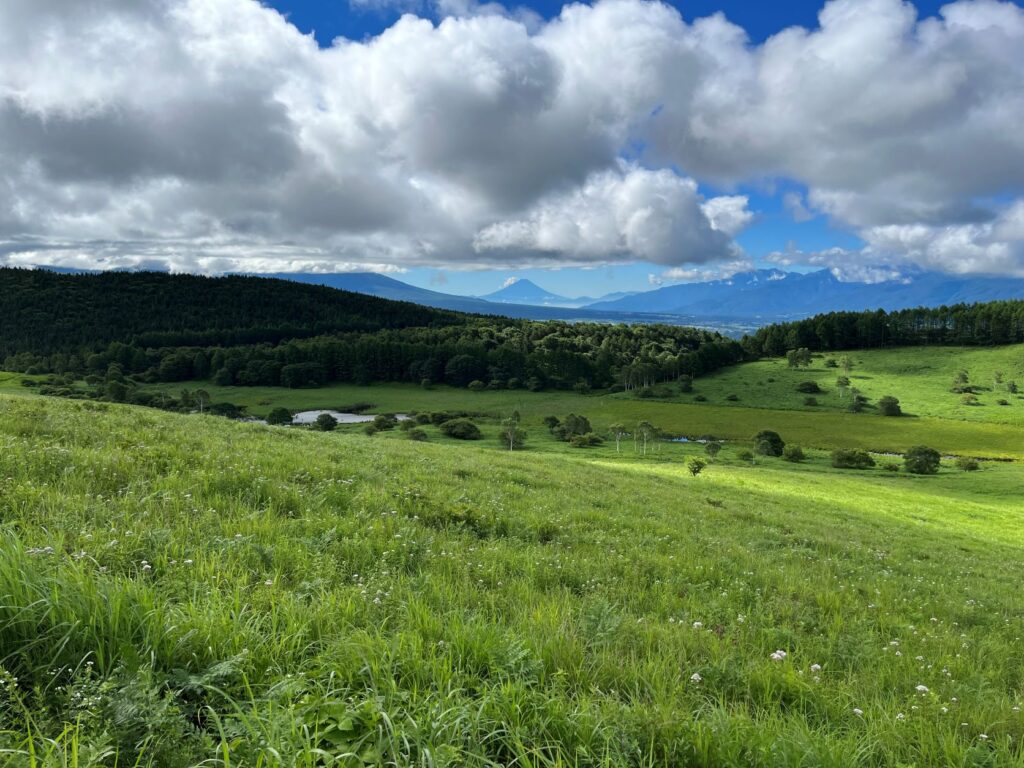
(213, 135)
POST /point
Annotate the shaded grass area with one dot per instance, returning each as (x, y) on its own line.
(179, 590)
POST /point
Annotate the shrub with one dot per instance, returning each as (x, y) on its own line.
(325, 422)
(406, 425)
(426, 384)
(385, 421)
(891, 466)
(889, 406)
(852, 459)
(461, 429)
(511, 436)
(700, 399)
(970, 399)
(808, 387)
(588, 440)
(581, 387)
(279, 416)
(967, 464)
(744, 455)
(921, 460)
(514, 383)
(768, 443)
(831, 363)
(685, 383)
(696, 466)
(417, 434)
(476, 385)
(732, 398)
(810, 401)
(551, 421)
(793, 453)
(858, 404)
(712, 448)
(370, 429)
(1001, 401)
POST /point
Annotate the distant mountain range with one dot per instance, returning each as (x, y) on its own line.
(771, 294)
(746, 300)
(732, 305)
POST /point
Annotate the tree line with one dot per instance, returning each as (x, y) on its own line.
(246, 331)
(995, 322)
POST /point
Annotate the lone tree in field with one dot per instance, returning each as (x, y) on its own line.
(842, 384)
(279, 416)
(696, 466)
(645, 432)
(961, 382)
(889, 406)
(711, 448)
(768, 443)
(921, 460)
(617, 431)
(511, 435)
(325, 422)
(846, 363)
(202, 399)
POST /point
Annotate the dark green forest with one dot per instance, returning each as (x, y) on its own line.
(249, 331)
(995, 322)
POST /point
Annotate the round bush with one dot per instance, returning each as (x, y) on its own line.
(325, 422)
(461, 429)
(889, 406)
(852, 459)
(418, 435)
(967, 464)
(793, 453)
(808, 387)
(279, 416)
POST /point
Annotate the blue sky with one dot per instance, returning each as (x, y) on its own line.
(773, 230)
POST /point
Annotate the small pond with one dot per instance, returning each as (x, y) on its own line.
(308, 417)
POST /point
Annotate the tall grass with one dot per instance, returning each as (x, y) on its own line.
(179, 591)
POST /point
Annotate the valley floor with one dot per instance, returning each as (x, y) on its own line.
(181, 590)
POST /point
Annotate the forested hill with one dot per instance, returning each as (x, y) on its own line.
(990, 323)
(122, 330)
(43, 312)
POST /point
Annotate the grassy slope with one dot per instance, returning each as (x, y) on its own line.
(448, 603)
(919, 377)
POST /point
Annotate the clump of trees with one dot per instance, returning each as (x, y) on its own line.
(921, 460)
(769, 443)
(797, 358)
(843, 458)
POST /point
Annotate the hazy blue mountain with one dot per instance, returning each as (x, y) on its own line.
(771, 294)
(389, 288)
(527, 292)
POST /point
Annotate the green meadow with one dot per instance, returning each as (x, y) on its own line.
(766, 399)
(183, 590)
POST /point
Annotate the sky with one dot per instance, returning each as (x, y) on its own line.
(455, 144)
